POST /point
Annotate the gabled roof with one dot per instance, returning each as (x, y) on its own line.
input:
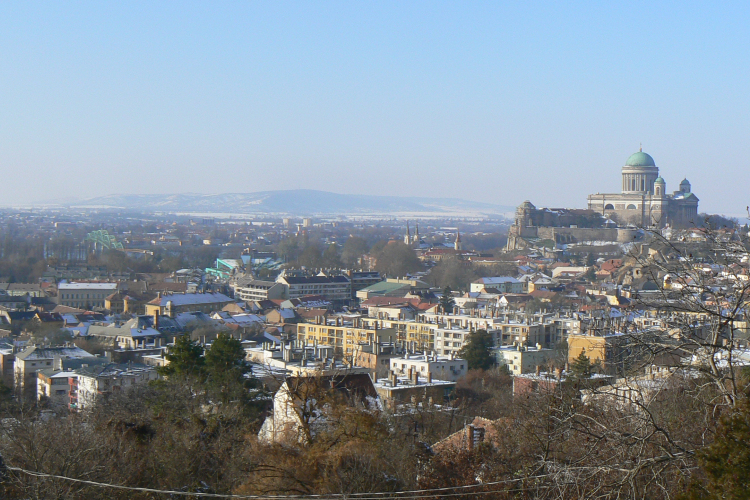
(37, 352)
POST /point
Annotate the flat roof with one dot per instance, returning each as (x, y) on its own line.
(87, 286)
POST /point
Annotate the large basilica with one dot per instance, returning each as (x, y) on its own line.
(644, 201)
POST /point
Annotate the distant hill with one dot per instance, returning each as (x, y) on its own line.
(296, 202)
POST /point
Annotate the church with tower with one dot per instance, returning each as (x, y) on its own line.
(408, 238)
(644, 201)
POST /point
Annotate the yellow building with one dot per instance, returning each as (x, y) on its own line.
(608, 350)
(414, 334)
(176, 303)
(342, 338)
(344, 335)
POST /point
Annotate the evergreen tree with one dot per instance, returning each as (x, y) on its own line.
(185, 358)
(226, 367)
(226, 356)
(446, 301)
(581, 366)
(725, 464)
(477, 351)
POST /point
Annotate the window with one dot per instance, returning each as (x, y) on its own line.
(632, 207)
(609, 206)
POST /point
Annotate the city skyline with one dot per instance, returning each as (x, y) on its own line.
(484, 102)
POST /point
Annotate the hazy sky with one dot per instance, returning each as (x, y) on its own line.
(497, 101)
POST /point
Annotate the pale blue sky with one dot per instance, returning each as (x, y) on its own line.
(496, 101)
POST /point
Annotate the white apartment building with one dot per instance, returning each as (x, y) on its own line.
(34, 359)
(440, 367)
(333, 288)
(524, 359)
(54, 385)
(89, 383)
(259, 290)
(503, 284)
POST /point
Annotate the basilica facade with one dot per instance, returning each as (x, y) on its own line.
(644, 201)
(617, 217)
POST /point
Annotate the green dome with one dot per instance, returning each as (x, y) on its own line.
(659, 180)
(640, 159)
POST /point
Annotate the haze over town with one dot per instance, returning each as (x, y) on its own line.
(488, 102)
(397, 250)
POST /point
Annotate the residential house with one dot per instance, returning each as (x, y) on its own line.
(53, 385)
(174, 303)
(89, 383)
(298, 409)
(395, 391)
(503, 284)
(524, 359)
(33, 359)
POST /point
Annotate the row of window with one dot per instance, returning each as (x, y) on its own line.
(610, 206)
(81, 296)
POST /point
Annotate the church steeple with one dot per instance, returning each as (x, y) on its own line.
(407, 237)
(458, 246)
(416, 234)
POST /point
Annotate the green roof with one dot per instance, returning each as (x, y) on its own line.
(659, 180)
(640, 159)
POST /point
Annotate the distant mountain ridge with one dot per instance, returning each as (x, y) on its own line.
(294, 202)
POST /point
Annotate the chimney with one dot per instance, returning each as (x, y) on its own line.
(470, 436)
(394, 379)
(558, 374)
(429, 377)
(538, 370)
(156, 318)
(411, 373)
(416, 377)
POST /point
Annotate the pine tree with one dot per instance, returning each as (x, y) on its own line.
(725, 464)
(185, 358)
(226, 369)
(446, 301)
(581, 366)
(478, 351)
(226, 355)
